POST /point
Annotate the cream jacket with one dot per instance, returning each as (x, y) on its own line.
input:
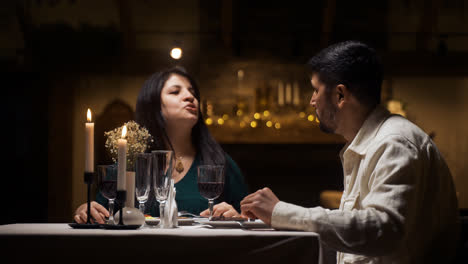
(398, 205)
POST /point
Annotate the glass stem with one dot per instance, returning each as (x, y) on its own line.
(142, 207)
(161, 213)
(111, 211)
(210, 205)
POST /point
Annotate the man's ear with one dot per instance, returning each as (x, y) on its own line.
(341, 94)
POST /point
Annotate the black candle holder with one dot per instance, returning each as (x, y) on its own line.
(88, 179)
(121, 197)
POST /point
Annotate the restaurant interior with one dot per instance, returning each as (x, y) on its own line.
(61, 57)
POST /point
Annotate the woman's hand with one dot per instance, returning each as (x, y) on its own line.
(98, 213)
(221, 209)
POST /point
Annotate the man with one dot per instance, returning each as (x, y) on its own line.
(398, 203)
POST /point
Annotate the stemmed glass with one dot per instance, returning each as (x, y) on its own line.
(142, 178)
(210, 183)
(162, 175)
(107, 182)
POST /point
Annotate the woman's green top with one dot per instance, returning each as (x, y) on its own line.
(188, 197)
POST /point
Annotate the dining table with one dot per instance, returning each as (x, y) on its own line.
(60, 243)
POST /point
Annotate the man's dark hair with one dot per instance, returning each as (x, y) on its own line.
(353, 64)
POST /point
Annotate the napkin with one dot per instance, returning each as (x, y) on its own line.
(171, 211)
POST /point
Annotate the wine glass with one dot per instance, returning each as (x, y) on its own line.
(107, 182)
(162, 175)
(210, 183)
(142, 178)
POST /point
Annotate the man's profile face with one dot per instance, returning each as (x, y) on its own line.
(322, 101)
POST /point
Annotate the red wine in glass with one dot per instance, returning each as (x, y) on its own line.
(210, 183)
(210, 190)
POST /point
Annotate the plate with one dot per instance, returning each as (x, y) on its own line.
(181, 221)
(152, 221)
(221, 224)
(234, 224)
(120, 227)
(84, 226)
(255, 224)
(222, 218)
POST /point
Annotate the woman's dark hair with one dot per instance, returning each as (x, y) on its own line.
(353, 64)
(148, 114)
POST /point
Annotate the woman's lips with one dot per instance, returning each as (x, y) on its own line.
(191, 109)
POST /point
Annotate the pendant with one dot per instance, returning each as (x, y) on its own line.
(179, 166)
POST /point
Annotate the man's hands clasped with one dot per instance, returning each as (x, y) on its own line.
(259, 204)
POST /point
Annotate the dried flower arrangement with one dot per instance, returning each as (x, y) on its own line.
(138, 140)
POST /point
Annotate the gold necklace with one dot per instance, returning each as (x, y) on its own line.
(179, 165)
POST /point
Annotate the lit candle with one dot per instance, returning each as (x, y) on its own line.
(280, 93)
(89, 140)
(122, 160)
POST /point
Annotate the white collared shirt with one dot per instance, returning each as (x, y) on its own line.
(398, 204)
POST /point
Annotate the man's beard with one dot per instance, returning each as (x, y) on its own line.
(327, 120)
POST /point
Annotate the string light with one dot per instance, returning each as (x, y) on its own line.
(259, 120)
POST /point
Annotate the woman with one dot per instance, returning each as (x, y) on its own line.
(168, 106)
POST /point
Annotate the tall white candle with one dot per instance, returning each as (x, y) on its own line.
(122, 160)
(89, 147)
(280, 93)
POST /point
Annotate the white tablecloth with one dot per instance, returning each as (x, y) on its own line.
(187, 244)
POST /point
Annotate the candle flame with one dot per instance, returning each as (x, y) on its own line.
(88, 115)
(124, 131)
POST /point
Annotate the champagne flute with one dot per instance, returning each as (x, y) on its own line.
(142, 178)
(162, 175)
(107, 182)
(210, 183)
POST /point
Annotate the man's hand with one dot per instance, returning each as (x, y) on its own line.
(222, 209)
(98, 213)
(259, 204)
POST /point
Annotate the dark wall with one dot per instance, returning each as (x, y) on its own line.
(25, 146)
(297, 173)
